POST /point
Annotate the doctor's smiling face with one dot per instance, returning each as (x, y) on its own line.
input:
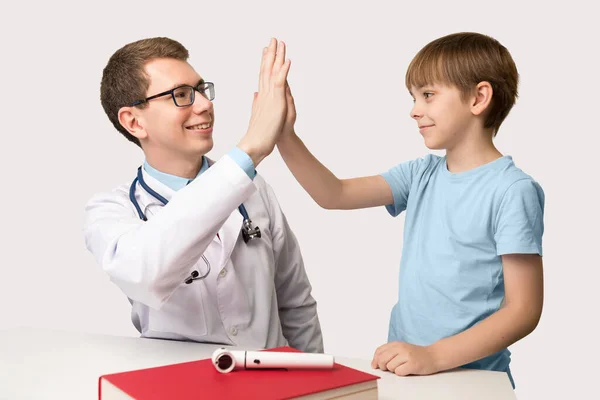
(169, 128)
(156, 100)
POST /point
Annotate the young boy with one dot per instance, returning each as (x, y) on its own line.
(471, 280)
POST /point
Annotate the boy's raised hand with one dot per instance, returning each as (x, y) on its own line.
(290, 118)
(269, 108)
(405, 359)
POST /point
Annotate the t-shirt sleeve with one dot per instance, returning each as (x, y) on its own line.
(400, 179)
(520, 219)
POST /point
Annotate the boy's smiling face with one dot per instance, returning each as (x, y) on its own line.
(442, 114)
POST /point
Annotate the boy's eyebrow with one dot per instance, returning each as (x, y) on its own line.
(422, 89)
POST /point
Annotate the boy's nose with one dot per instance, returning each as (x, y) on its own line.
(416, 113)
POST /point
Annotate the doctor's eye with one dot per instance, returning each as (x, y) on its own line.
(182, 93)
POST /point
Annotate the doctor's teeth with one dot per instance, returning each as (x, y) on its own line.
(200, 126)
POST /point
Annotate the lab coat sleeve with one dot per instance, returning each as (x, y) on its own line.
(297, 307)
(149, 260)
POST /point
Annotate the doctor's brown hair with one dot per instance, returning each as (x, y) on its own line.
(464, 60)
(124, 79)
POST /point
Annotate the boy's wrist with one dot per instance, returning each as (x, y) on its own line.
(439, 355)
(286, 137)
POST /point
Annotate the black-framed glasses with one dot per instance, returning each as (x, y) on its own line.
(184, 95)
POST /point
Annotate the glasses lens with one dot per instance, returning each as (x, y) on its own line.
(207, 90)
(184, 96)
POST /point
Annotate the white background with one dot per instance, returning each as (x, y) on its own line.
(347, 75)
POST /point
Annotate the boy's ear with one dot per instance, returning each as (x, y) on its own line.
(130, 120)
(482, 98)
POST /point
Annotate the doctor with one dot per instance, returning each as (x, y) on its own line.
(201, 248)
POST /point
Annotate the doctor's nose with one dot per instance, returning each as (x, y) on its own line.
(201, 104)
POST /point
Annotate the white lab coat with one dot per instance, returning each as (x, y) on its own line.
(257, 295)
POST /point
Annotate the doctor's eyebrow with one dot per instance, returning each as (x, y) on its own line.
(185, 84)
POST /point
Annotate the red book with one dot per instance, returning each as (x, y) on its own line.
(200, 380)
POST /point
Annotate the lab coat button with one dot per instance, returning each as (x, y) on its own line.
(233, 331)
(223, 272)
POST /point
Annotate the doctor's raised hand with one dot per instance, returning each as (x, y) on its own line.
(269, 108)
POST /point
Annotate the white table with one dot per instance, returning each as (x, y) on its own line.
(49, 364)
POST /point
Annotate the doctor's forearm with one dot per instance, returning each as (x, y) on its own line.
(320, 183)
(496, 332)
(148, 260)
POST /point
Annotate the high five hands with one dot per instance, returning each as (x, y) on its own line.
(270, 114)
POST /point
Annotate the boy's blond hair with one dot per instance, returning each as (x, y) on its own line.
(464, 60)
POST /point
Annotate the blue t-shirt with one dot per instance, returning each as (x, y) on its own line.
(457, 227)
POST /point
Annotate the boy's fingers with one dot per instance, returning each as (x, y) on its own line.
(395, 362)
(384, 359)
(289, 98)
(403, 369)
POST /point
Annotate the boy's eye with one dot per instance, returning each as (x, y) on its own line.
(427, 95)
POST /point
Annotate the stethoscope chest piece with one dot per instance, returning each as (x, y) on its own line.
(249, 232)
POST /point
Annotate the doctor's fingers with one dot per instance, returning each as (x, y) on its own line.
(266, 66)
(281, 68)
(280, 57)
(254, 102)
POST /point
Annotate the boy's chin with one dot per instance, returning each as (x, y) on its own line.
(434, 145)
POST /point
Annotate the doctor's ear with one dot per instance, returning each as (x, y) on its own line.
(130, 120)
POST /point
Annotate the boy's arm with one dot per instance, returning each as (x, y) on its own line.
(321, 184)
(518, 317)
(520, 314)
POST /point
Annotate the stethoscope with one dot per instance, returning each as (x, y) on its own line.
(248, 231)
